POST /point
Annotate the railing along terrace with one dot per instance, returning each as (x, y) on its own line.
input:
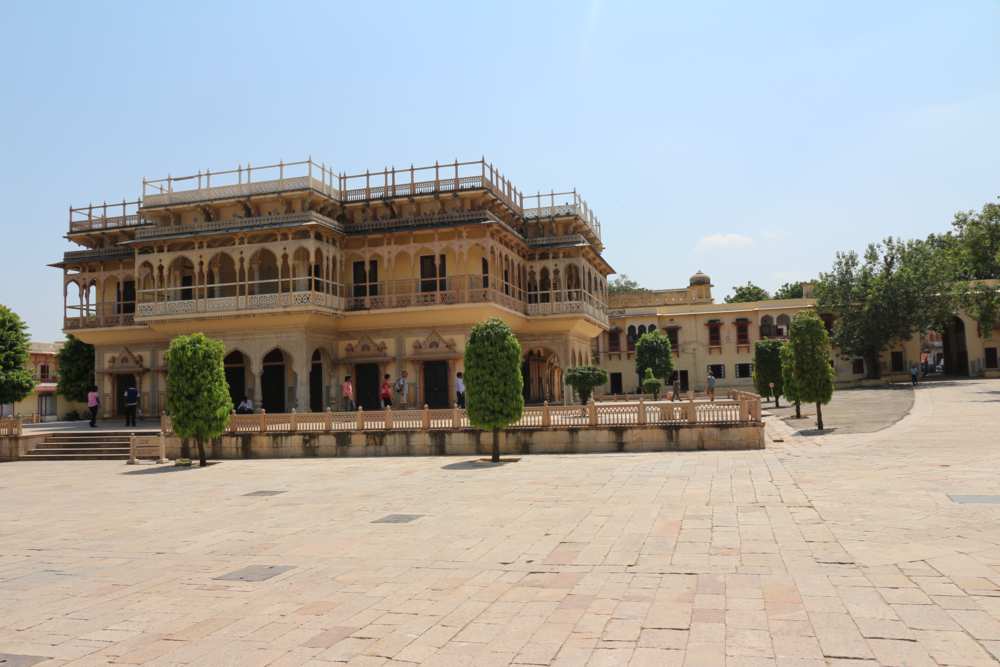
(82, 316)
(555, 204)
(415, 181)
(242, 181)
(304, 291)
(11, 426)
(592, 415)
(103, 216)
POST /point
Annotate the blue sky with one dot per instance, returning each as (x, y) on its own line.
(749, 140)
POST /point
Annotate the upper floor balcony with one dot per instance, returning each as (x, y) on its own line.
(309, 293)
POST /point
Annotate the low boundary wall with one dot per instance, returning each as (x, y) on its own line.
(470, 442)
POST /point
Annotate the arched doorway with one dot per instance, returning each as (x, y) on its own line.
(542, 376)
(122, 382)
(272, 381)
(956, 352)
(236, 376)
(316, 397)
(366, 385)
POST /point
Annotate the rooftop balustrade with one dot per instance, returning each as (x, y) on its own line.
(559, 204)
(105, 216)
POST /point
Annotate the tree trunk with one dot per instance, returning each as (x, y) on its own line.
(776, 400)
(201, 453)
(873, 369)
(798, 410)
(819, 415)
(185, 448)
(496, 446)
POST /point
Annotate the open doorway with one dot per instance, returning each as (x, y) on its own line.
(272, 381)
(436, 384)
(316, 383)
(122, 382)
(366, 385)
(955, 348)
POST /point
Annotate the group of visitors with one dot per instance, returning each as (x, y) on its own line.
(400, 388)
(130, 399)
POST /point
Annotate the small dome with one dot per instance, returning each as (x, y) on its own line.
(700, 279)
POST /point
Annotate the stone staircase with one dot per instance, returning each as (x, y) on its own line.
(77, 445)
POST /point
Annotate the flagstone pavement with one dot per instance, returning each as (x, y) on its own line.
(830, 550)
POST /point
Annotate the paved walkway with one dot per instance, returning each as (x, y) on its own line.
(862, 410)
(842, 549)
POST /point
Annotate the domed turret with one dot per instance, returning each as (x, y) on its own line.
(700, 279)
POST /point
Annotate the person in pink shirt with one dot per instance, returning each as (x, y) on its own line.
(347, 391)
(93, 402)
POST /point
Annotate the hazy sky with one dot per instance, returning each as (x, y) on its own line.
(750, 140)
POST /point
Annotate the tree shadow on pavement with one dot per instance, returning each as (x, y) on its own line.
(478, 464)
(167, 467)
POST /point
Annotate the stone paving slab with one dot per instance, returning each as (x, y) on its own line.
(821, 550)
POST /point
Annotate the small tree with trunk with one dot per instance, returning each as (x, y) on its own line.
(788, 384)
(493, 383)
(15, 378)
(652, 351)
(767, 368)
(813, 371)
(584, 379)
(199, 401)
(652, 384)
(76, 369)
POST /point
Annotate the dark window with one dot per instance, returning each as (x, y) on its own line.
(742, 335)
(616, 383)
(991, 357)
(486, 273)
(718, 370)
(43, 370)
(128, 297)
(744, 370)
(672, 335)
(897, 362)
(360, 280)
(432, 279)
(652, 327)
(828, 322)
(630, 337)
(615, 341)
(858, 366)
(714, 335)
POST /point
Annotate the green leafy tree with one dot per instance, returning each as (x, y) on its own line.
(747, 293)
(493, 383)
(789, 291)
(898, 288)
(199, 400)
(788, 383)
(767, 368)
(583, 379)
(622, 284)
(76, 369)
(652, 384)
(652, 351)
(976, 243)
(811, 365)
(15, 378)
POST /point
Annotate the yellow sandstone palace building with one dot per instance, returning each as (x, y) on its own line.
(308, 276)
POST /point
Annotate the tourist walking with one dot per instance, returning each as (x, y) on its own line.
(914, 374)
(385, 392)
(460, 390)
(93, 403)
(402, 388)
(711, 386)
(131, 404)
(676, 395)
(347, 391)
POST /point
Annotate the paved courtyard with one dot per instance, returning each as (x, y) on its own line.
(841, 549)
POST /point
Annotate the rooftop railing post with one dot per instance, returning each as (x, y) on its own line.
(642, 411)
(249, 172)
(437, 176)
(263, 420)
(456, 174)
(281, 170)
(592, 411)
(360, 424)
(368, 179)
(239, 173)
(328, 419)
(456, 417)
(309, 169)
(393, 180)
(425, 420)
(546, 415)
(388, 418)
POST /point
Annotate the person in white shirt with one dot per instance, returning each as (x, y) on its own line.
(460, 390)
(245, 407)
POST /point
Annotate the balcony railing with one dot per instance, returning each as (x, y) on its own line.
(212, 226)
(100, 315)
(561, 204)
(305, 293)
(100, 217)
(241, 182)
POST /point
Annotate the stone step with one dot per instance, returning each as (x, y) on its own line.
(74, 457)
(81, 450)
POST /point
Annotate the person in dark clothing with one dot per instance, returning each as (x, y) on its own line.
(131, 405)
